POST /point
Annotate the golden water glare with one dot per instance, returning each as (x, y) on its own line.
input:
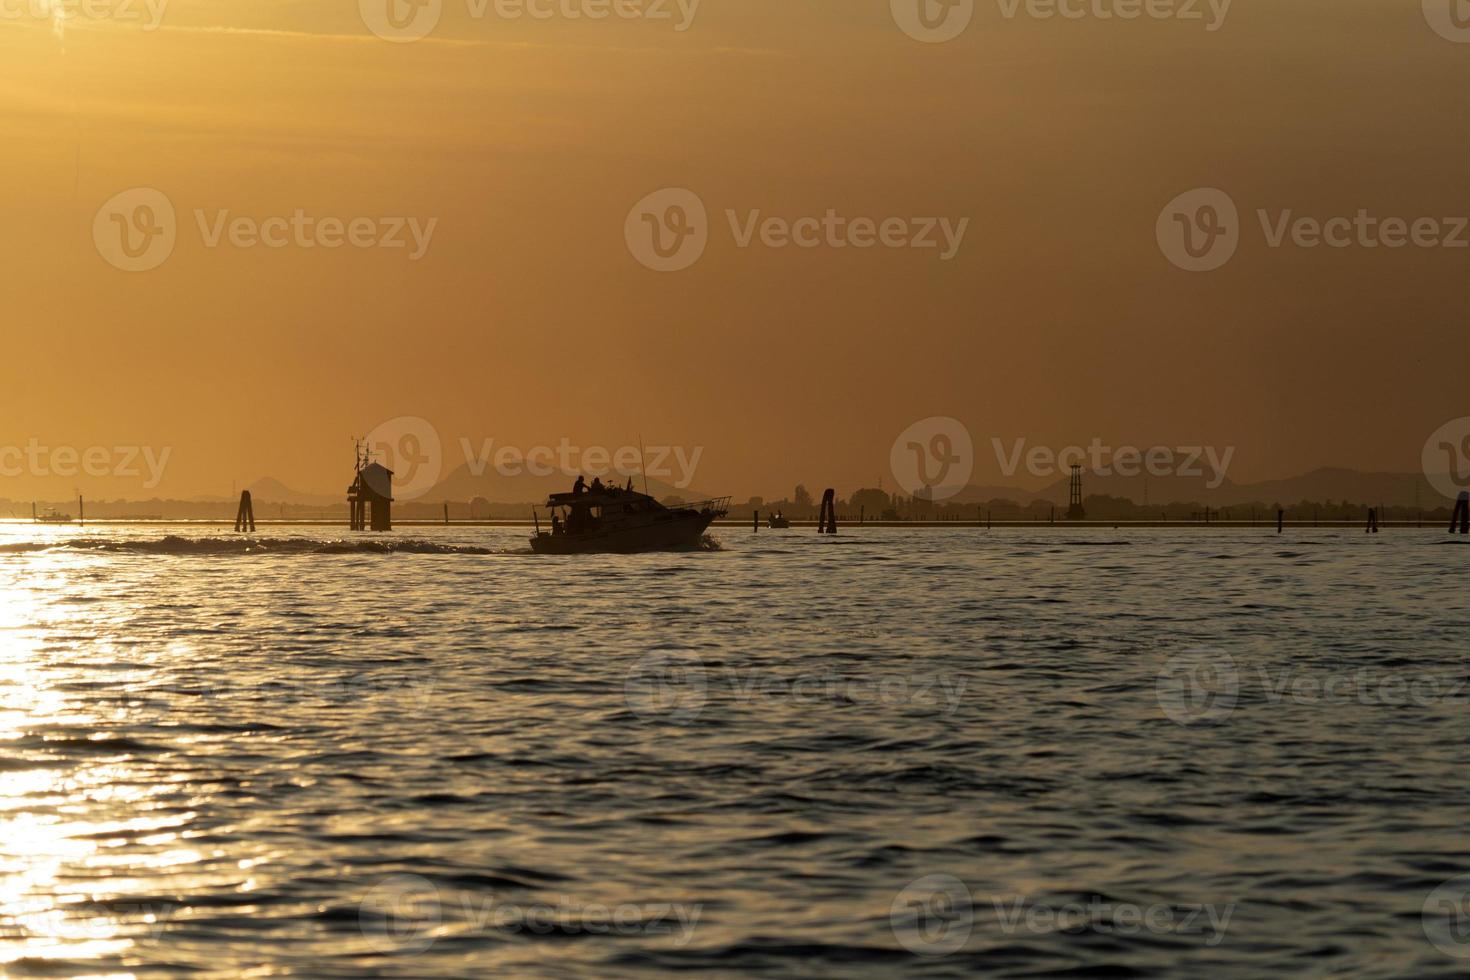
(86, 847)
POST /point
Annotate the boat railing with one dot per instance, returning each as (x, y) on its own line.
(718, 506)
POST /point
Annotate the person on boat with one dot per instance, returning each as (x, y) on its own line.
(581, 485)
(597, 484)
(555, 524)
(629, 487)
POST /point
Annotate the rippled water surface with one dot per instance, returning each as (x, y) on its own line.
(1016, 753)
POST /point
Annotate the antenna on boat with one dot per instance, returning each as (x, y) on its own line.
(641, 465)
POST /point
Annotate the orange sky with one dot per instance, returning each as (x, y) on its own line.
(527, 319)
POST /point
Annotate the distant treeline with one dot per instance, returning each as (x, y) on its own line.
(867, 504)
(875, 504)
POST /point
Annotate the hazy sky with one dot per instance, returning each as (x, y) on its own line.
(528, 319)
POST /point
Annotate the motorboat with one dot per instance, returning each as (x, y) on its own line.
(622, 521)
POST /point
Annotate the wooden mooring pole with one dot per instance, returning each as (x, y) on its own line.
(1461, 515)
(827, 519)
(245, 516)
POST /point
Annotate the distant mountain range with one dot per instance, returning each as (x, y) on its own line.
(268, 490)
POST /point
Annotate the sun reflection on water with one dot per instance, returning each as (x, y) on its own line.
(66, 889)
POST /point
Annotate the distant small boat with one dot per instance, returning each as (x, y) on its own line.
(50, 516)
(622, 521)
(778, 521)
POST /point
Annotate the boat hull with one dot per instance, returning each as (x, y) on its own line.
(678, 532)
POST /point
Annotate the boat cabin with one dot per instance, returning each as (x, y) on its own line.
(616, 520)
(579, 513)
